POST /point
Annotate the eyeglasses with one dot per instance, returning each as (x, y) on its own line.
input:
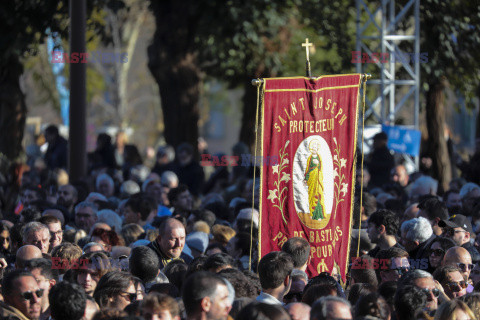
(435, 292)
(451, 232)
(292, 295)
(437, 252)
(131, 296)
(464, 266)
(401, 271)
(456, 286)
(28, 295)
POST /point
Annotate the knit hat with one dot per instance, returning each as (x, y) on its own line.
(198, 241)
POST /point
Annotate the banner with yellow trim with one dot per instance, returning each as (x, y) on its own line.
(310, 126)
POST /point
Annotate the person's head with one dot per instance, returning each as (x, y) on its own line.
(314, 292)
(85, 215)
(31, 194)
(382, 223)
(46, 277)
(169, 179)
(111, 218)
(67, 301)
(90, 273)
(242, 285)
(181, 199)
(434, 211)
(144, 263)
(452, 281)
(218, 262)
(55, 227)
(274, 270)
(67, 196)
(5, 245)
(415, 232)
(21, 291)
(459, 257)
(25, 254)
(171, 238)
(37, 234)
(299, 249)
(399, 175)
(106, 238)
(475, 274)
(454, 310)
(373, 305)
(116, 289)
(156, 306)
(424, 281)
(105, 185)
(131, 233)
(393, 264)
(262, 311)
(298, 310)
(139, 209)
(458, 228)
(299, 281)
(453, 201)
(327, 308)
(367, 274)
(437, 250)
(184, 154)
(206, 294)
(408, 301)
(222, 234)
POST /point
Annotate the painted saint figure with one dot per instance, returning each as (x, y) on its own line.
(314, 181)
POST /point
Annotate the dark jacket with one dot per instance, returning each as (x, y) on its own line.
(10, 313)
(473, 252)
(164, 260)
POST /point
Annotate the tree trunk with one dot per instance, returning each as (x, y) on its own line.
(173, 63)
(249, 100)
(437, 145)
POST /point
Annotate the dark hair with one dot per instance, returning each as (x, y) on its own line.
(142, 204)
(8, 281)
(369, 203)
(144, 263)
(174, 192)
(373, 305)
(45, 267)
(185, 146)
(207, 216)
(198, 286)
(242, 285)
(315, 292)
(326, 278)
(299, 249)
(386, 218)
(97, 260)
(196, 265)
(243, 243)
(396, 206)
(46, 220)
(216, 245)
(441, 274)
(175, 272)
(52, 129)
(219, 209)
(111, 284)
(166, 288)
(110, 237)
(159, 301)
(30, 215)
(445, 243)
(67, 301)
(273, 268)
(359, 290)
(387, 290)
(218, 260)
(408, 301)
(434, 208)
(361, 274)
(262, 311)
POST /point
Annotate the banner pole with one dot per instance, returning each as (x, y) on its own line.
(365, 78)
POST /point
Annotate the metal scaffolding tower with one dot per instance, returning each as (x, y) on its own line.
(378, 32)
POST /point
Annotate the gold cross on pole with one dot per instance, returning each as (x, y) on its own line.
(307, 46)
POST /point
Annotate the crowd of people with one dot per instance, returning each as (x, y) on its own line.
(179, 241)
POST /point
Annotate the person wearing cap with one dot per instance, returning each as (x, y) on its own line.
(381, 161)
(459, 229)
(197, 242)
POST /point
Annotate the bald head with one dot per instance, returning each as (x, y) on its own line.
(298, 311)
(171, 238)
(458, 257)
(26, 253)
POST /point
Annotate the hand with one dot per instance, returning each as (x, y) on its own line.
(442, 297)
(3, 263)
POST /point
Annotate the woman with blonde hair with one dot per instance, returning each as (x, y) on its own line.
(454, 310)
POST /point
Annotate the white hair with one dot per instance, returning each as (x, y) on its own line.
(169, 178)
(105, 177)
(417, 229)
(111, 218)
(424, 185)
(32, 227)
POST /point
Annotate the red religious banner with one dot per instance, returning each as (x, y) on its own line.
(310, 126)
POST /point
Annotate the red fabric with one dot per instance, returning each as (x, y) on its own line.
(309, 126)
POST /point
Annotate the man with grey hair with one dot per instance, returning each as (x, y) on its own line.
(111, 218)
(36, 234)
(331, 307)
(85, 216)
(169, 179)
(298, 311)
(105, 185)
(425, 282)
(417, 235)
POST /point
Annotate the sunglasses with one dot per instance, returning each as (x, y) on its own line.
(435, 292)
(437, 252)
(292, 295)
(456, 286)
(131, 296)
(401, 271)
(464, 266)
(28, 295)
